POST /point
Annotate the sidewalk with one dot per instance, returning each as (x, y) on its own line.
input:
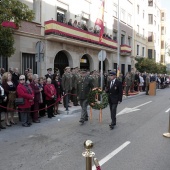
(75, 109)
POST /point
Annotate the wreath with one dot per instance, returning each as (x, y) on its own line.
(94, 98)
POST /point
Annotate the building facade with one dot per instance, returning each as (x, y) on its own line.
(49, 41)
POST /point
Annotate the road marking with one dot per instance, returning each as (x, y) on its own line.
(128, 110)
(167, 110)
(112, 154)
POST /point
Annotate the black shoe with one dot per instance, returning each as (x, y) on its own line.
(37, 121)
(59, 102)
(53, 115)
(112, 124)
(25, 125)
(29, 123)
(81, 121)
(2, 127)
(86, 119)
(49, 117)
(111, 127)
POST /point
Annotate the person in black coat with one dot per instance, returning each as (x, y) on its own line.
(115, 93)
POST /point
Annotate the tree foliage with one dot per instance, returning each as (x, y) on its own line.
(11, 10)
(149, 66)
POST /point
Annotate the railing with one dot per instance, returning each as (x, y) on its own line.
(125, 49)
(61, 29)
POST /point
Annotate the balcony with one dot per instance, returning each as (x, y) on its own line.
(57, 31)
(125, 50)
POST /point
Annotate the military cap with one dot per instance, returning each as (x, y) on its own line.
(49, 69)
(112, 73)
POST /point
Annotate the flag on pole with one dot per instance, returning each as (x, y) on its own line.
(100, 20)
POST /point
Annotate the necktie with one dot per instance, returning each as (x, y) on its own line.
(111, 84)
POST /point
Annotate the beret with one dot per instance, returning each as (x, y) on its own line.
(112, 73)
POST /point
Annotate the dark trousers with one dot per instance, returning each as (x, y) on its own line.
(66, 99)
(84, 104)
(50, 110)
(25, 115)
(42, 112)
(147, 90)
(74, 97)
(34, 109)
(127, 90)
(113, 110)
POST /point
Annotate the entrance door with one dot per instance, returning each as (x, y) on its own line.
(60, 62)
(84, 62)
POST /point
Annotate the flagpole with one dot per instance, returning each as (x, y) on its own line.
(118, 40)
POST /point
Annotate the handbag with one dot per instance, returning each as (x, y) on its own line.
(19, 101)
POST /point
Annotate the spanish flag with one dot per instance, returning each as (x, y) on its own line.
(100, 19)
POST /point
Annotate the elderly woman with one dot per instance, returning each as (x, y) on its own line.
(36, 89)
(10, 91)
(50, 93)
(3, 98)
(25, 91)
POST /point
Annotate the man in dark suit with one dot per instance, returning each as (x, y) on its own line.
(84, 86)
(49, 74)
(115, 96)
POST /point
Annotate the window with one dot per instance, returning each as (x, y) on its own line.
(129, 20)
(162, 16)
(162, 58)
(150, 2)
(150, 53)
(162, 31)
(115, 35)
(129, 41)
(143, 51)
(150, 18)
(4, 63)
(122, 39)
(123, 69)
(137, 9)
(150, 36)
(143, 14)
(28, 61)
(137, 49)
(115, 10)
(129, 68)
(122, 15)
(162, 44)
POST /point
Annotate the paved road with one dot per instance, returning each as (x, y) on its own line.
(58, 145)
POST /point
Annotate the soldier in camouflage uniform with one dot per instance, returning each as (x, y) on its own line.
(84, 86)
(75, 77)
(132, 77)
(67, 86)
(127, 83)
(147, 83)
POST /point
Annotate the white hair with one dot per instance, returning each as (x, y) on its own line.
(22, 77)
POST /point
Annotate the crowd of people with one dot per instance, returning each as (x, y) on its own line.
(42, 95)
(83, 26)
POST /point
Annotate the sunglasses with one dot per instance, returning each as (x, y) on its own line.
(21, 79)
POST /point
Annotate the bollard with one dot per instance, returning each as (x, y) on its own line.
(88, 154)
(168, 133)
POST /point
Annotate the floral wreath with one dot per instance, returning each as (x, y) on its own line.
(94, 98)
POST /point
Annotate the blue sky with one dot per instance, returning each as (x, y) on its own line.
(166, 4)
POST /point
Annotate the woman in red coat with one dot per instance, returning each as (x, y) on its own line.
(50, 93)
(25, 91)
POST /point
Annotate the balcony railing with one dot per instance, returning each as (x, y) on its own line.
(125, 49)
(61, 29)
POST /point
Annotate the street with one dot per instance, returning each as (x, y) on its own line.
(136, 143)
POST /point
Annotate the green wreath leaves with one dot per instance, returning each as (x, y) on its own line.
(93, 97)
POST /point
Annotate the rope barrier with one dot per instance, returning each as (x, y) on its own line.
(15, 110)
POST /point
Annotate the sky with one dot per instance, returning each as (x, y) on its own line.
(166, 5)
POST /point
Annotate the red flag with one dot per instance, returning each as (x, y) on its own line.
(100, 19)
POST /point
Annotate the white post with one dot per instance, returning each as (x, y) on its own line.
(118, 38)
